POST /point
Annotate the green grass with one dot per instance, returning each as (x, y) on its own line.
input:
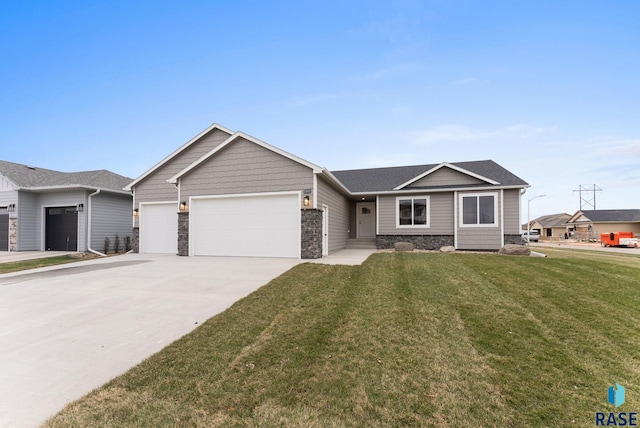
(35, 263)
(431, 339)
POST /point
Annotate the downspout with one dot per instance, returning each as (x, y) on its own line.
(91, 250)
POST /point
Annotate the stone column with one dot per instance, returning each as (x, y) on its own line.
(13, 234)
(183, 233)
(311, 230)
(135, 240)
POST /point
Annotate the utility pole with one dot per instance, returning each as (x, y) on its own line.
(587, 195)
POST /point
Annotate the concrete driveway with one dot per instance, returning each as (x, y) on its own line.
(67, 330)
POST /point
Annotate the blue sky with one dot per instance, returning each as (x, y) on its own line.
(548, 89)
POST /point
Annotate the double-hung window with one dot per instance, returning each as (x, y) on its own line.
(412, 211)
(478, 209)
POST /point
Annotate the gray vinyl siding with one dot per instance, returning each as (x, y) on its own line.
(512, 211)
(28, 228)
(155, 188)
(110, 215)
(7, 198)
(339, 208)
(245, 167)
(480, 238)
(441, 216)
(446, 177)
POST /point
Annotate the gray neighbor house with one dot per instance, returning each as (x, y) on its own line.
(226, 193)
(42, 209)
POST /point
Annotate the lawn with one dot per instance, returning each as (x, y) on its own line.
(35, 263)
(420, 339)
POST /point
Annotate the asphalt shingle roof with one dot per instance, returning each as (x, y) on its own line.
(553, 220)
(386, 179)
(28, 177)
(612, 215)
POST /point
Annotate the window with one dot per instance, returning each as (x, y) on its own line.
(478, 209)
(412, 211)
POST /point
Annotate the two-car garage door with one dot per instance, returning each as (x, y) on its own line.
(256, 226)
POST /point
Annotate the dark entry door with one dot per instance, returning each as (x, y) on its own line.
(4, 232)
(61, 233)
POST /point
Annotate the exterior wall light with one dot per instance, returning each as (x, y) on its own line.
(136, 212)
(306, 201)
(183, 206)
(80, 208)
(11, 208)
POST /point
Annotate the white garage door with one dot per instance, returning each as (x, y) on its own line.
(159, 228)
(255, 226)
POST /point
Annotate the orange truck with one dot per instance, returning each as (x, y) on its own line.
(619, 239)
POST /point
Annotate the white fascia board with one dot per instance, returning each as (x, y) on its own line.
(72, 186)
(449, 189)
(177, 152)
(254, 140)
(448, 165)
(335, 180)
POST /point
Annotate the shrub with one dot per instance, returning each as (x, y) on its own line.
(105, 247)
(116, 244)
(127, 244)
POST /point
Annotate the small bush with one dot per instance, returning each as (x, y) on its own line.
(127, 244)
(116, 244)
(107, 244)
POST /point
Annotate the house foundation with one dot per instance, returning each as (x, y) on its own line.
(420, 242)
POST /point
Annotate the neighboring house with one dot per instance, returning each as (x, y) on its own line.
(551, 226)
(225, 193)
(592, 223)
(41, 209)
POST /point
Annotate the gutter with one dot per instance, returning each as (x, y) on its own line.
(91, 250)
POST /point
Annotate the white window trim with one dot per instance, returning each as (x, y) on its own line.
(412, 198)
(496, 213)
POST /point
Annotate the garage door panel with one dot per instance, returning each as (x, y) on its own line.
(159, 228)
(258, 226)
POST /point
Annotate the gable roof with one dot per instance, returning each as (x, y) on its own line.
(394, 178)
(186, 145)
(33, 178)
(552, 220)
(605, 216)
(235, 137)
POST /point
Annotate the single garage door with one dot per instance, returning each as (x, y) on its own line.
(253, 226)
(4, 232)
(159, 228)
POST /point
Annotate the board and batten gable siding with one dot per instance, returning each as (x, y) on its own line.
(245, 167)
(339, 208)
(110, 215)
(28, 227)
(6, 184)
(155, 188)
(512, 211)
(441, 217)
(479, 237)
(446, 177)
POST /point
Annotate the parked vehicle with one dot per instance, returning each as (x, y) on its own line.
(530, 236)
(618, 239)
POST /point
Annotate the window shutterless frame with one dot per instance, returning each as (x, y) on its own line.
(478, 209)
(413, 211)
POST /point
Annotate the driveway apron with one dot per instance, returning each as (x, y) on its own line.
(67, 330)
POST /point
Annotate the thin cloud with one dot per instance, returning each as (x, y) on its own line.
(457, 133)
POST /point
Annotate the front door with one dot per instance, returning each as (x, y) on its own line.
(325, 230)
(366, 218)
